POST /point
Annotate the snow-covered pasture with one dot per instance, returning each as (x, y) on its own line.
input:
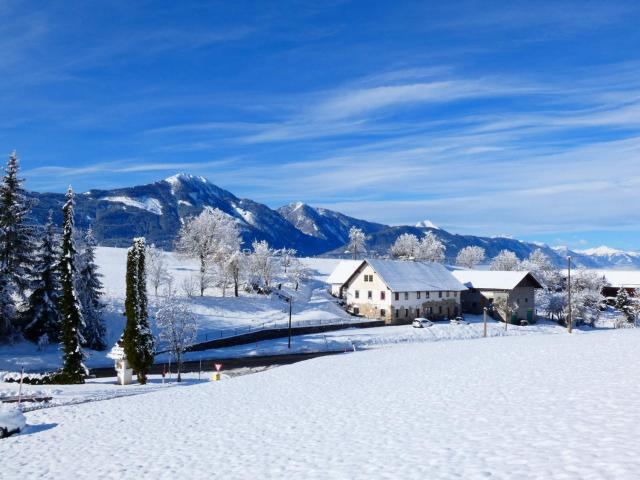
(532, 406)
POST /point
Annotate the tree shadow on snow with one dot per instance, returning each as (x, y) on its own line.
(42, 427)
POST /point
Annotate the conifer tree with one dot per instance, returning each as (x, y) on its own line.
(89, 292)
(137, 339)
(72, 324)
(7, 308)
(43, 315)
(16, 245)
(624, 304)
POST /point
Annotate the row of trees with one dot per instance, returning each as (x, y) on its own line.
(48, 287)
(213, 239)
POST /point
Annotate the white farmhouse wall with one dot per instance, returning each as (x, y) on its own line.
(368, 307)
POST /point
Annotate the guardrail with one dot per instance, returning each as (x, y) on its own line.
(281, 330)
(269, 331)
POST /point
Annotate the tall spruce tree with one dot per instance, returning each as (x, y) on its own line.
(137, 339)
(43, 315)
(16, 246)
(72, 324)
(89, 292)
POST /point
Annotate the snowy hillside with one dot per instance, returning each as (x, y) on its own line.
(333, 227)
(447, 410)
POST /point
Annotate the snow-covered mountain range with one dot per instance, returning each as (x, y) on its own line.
(157, 211)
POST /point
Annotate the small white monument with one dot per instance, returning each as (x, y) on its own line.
(125, 374)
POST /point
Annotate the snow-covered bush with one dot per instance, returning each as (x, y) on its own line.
(29, 378)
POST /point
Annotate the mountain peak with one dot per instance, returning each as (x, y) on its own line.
(427, 224)
(184, 178)
(601, 251)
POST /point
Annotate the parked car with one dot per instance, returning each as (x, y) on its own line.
(458, 321)
(11, 420)
(421, 323)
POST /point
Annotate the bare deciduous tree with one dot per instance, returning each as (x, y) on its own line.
(357, 241)
(157, 272)
(178, 327)
(471, 256)
(207, 237)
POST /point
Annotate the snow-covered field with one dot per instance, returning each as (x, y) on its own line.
(217, 315)
(530, 406)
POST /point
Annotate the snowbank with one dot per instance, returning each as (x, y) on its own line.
(11, 420)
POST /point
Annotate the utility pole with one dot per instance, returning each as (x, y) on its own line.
(484, 318)
(290, 302)
(570, 326)
(507, 315)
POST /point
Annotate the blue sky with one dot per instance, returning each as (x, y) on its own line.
(493, 118)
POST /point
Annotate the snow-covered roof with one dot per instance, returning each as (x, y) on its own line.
(620, 278)
(492, 280)
(404, 276)
(343, 271)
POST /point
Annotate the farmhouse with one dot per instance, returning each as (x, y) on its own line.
(486, 287)
(399, 291)
(341, 274)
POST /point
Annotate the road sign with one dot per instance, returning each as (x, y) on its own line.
(218, 366)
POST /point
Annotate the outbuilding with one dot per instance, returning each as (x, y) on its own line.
(340, 275)
(485, 287)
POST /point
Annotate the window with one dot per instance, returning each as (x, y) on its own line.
(440, 296)
(526, 300)
(383, 313)
(406, 312)
(357, 293)
(382, 295)
(448, 294)
(426, 294)
(455, 294)
(356, 311)
(397, 296)
(440, 310)
(397, 312)
(370, 295)
(368, 278)
(418, 295)
(406, 295)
